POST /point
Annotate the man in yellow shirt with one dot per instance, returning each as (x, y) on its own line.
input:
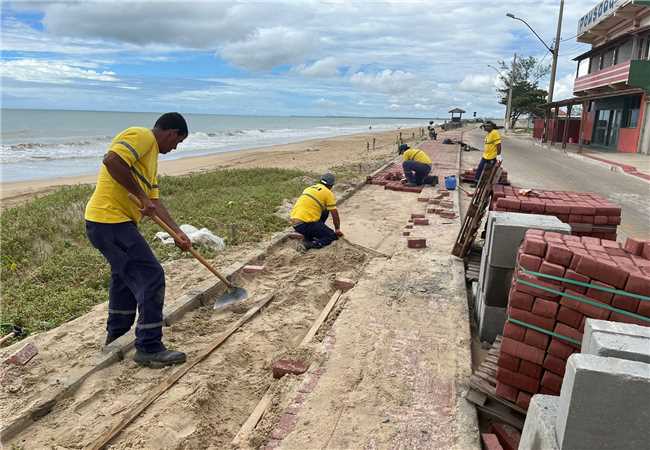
(137, 278)
(416, 165)
(311, 211)
(491, 150)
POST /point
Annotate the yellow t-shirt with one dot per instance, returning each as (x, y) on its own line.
(110, 202)
(416, 154)
(311, 204)
(491, 140)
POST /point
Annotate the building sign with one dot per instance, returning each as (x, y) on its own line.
(597, 14)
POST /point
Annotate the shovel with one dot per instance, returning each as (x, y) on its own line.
(233, 293)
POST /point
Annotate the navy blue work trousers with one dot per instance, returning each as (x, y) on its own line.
(317, 233)
(481, 166)
(415, 171)
(137, 283)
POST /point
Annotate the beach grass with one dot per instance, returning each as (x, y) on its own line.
(51, 274)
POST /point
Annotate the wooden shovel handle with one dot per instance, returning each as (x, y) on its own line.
(192, 250)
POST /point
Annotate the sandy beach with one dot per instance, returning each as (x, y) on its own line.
(315, 155)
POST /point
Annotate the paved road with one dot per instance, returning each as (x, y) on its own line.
(531, 166)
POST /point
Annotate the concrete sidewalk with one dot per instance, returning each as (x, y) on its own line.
(396, 362)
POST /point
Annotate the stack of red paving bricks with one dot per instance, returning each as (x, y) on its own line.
(533, 362)
(588, 214)
(469, 176)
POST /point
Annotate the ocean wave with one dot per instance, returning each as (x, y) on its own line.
(197, 143)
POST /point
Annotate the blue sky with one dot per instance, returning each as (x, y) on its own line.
(379, 58)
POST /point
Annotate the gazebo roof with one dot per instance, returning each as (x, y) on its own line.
(457, 110)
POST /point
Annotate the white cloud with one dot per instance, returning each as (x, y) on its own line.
(270, 47)
(57, 72)
(478, 83)
(415, 53)
(326, 67)
(563, 87)
(389, 81)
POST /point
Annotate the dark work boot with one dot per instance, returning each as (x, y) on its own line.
(159, 359)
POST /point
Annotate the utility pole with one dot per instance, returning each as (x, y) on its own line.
(509, 105)
(556, 53)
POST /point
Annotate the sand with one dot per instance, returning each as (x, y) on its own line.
(206, 408)
(316, 155)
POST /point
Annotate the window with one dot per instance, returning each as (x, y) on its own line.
(594, 65)
(583, 67)
(624, 52)
(608, 58)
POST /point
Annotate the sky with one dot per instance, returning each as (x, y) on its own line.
(347, 57)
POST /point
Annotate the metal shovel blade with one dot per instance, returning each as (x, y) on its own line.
(235, 294)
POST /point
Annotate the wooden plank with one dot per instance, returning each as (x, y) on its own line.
(476, 397)
(323, 315)
(502, 413)
(241, 438)
(106, 437)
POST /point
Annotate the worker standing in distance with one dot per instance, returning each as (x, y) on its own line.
(416, 165)
(137, 278)
(491, 150)
(311, 211)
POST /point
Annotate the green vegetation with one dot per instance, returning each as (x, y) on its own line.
(51, 274)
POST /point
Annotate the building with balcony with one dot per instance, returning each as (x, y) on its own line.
(612, 80)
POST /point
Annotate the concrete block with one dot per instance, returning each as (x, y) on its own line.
(616, 340)
(491, 322)
(604, 404)
(509, 230)
(539, 428)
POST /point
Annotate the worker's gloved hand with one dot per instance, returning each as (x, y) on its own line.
(183, 241)
(339, 233)
(499, 158)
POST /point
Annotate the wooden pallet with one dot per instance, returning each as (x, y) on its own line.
(476, 210)
(473, 264)
(483, 387)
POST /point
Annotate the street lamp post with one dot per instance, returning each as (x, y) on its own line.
(555, 51)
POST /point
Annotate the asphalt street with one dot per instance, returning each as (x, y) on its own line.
(531, 166)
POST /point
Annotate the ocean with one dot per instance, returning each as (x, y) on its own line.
(45, 144)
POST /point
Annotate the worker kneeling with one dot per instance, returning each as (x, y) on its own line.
(416, 165)
(311, 211)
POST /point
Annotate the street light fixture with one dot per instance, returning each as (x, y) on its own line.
(555, 51)
(512, 16)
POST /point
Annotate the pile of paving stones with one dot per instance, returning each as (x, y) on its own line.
(587, 213)
(469, 176)
(559, 282)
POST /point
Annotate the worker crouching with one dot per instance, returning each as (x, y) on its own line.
(311, 211)
(416, 165)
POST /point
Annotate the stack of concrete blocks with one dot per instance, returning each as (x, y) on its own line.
(503, 235)
(603, 404)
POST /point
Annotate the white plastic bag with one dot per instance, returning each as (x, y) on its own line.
(199, 237)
